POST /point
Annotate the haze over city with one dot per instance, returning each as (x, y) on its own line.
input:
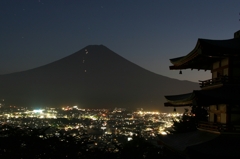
(147, 33)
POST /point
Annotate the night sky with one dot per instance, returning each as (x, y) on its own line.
(146, 32)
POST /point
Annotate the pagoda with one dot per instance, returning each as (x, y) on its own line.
(220, 95)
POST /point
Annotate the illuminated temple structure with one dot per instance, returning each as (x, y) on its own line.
(220, 95)
(218, 135)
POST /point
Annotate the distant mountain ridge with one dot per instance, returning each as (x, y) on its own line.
(94, 77)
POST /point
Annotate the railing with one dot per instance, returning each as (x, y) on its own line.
(220, 80)
(217, 127)
(209, 126)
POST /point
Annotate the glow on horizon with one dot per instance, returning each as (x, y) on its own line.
(38, 111)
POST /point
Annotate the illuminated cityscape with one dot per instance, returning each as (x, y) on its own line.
(117, 121)
(101, 127)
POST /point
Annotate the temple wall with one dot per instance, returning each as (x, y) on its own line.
(225, 72)
(224, 62)
(211, 117)
(211, 114)
(235, 65)
(216, 65)
(220, 68)
(235, 114)
(235, 118)
(221, 63)
(212, 107)
(217, 113)
(214, 75)
(222, 108)
(236, 72)
(223, 118)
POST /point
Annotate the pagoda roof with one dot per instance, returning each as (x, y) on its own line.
(223, 95)
(180, 100)
(206, 52)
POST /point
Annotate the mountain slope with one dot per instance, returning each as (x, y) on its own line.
(94, 77)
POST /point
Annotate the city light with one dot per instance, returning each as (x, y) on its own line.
(38, 111)
(82, 123)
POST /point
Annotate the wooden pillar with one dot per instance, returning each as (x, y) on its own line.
(228, 113)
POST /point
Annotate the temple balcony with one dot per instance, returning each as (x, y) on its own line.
(219, 81)
(218, 127)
